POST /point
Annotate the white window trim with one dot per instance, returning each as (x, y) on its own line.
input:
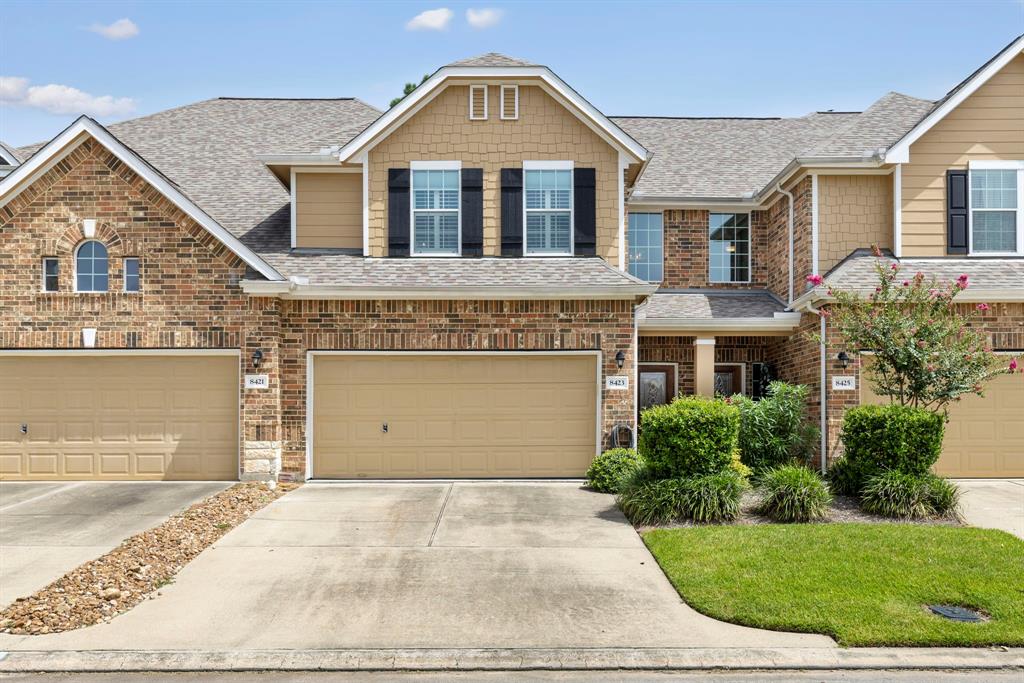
(750, 253)
(42, 282)
(629, 255)
(472, 89)
(990, 165)
(124, 274)
(433, 166)
(515, 106)
(75, 272)
(551, 166)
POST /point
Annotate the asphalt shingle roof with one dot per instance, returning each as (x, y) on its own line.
(857, 272)
(711, 304)
(493, 59)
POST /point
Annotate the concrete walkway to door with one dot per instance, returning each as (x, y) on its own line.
(421, 565)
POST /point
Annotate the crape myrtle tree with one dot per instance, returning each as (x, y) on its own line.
(926, 353)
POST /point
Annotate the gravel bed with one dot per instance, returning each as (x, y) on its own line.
(100, 589)
(843, 509)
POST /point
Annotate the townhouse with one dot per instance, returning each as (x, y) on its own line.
(490, 279)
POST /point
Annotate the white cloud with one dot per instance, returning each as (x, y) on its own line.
(431, 20)
(483, 18)
(119, 30)
(61, 99)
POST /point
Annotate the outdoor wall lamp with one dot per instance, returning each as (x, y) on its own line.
(843, 359)
(620, 359)
(257, 356)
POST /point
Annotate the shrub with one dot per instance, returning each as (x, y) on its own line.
(737, 465)
(793, 493)
(607, 470)
(909, 496)
(775, 430)
(891, 437)
(842, 478)
(691, 436)
(706, 498)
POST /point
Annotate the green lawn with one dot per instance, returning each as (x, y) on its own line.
(862, 584)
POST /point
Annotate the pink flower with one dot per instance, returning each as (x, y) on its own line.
(1013, 365)
(878, 290)
(982, 307)
(931, 368)
(962, 281)
(906, 283)
(895, 266)
(824, 313)
(815, 279)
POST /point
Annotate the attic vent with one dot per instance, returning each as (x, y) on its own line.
(478, 103)
(510, 102)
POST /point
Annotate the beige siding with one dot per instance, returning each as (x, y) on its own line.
(545, 130)
(987, 125)
(329, 210)
(854, 211)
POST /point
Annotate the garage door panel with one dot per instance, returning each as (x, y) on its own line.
(463, 415)
(985, 435)
(121, 417)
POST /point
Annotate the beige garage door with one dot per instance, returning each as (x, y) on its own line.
(119, 417)
(447, 416)
(984, 436)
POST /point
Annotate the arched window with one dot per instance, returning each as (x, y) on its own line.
(91, 267)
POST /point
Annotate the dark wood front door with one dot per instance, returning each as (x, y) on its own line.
(657, 385)
(728, 380)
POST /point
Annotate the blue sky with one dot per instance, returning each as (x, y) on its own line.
(639, 58)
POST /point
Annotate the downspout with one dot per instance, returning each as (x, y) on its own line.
(636, 372)
(789, 197)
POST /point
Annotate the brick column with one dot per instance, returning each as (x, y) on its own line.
(704, 366)
(261, 407)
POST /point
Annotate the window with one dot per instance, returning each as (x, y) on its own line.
(509, 102)
(729, 247)
(91, 267)
(435, 211)
(996, 221)
(51, 274)
(131, 274)
(548, 207)
(646, 253)
(478, 103)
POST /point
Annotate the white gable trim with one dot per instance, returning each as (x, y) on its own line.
(436, 84)
(75, 134)
(899, 153)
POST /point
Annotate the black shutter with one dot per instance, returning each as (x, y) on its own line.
(511, 212)
(472, 211)
(584, 212)
(957, 207)
(398, 211)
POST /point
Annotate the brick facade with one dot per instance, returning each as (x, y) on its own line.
(679, 350)
(686, 238)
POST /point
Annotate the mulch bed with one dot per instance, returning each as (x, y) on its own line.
(843, 509)
(100, 589)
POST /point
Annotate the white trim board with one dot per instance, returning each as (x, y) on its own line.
(899, 153)
(312, 353)
(75, 134)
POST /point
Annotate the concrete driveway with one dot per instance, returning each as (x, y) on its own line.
(48, 528)
(994, 503)
(424, 565)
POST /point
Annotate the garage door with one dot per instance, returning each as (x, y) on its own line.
(448, 416)
(119, 417)
(984, 436)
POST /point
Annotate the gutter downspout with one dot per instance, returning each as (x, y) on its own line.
(789, 197)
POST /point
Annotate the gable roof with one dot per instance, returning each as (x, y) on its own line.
(83, 128)
(900, 152)
(492, 65)
(8, 155)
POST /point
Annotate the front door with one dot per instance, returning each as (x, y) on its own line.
(657, 385)
(728, 380)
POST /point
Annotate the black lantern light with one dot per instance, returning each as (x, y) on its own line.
(843, 358)
(257, 356)
(620, 359)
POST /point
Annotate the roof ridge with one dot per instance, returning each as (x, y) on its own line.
(703, 118)
(286, 99)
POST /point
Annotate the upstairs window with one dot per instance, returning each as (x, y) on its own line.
(509, 102)
(131, 274)
(91, 267)
(997, 225)
(646, 247)
(435, 211)
(478, 103)
(548, 208)
(729, 247)
(51, 274)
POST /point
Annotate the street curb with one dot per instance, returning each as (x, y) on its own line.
(514, 659)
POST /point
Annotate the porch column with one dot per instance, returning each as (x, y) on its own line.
(704, 366)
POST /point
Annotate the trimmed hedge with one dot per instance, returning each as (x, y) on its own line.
(608, 470)
(691, 436)
(878, 438)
